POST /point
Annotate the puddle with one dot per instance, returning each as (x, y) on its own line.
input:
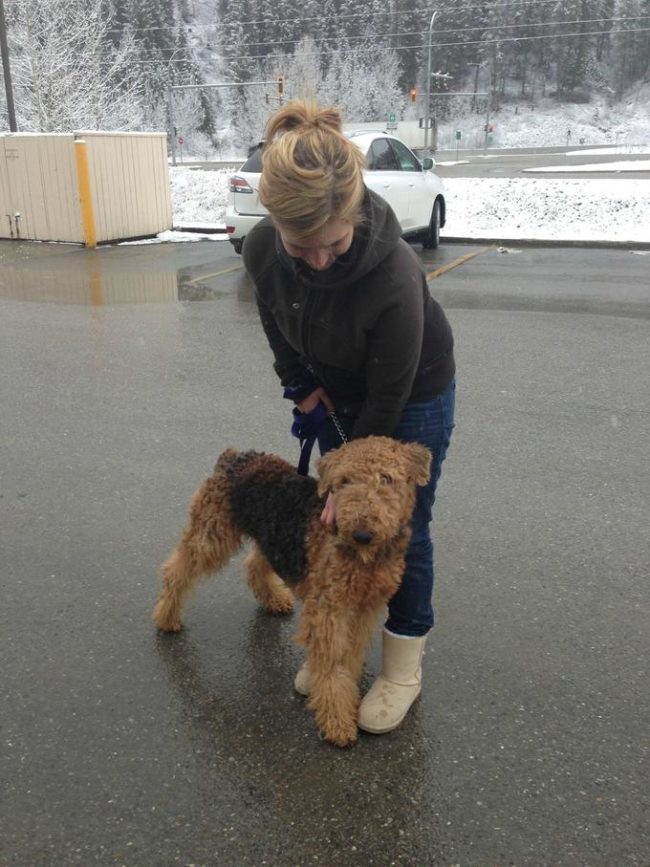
(201, 292)
(164, 274)
(95, 289)
(101, 289)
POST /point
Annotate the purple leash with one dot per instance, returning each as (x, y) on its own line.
(306, 426)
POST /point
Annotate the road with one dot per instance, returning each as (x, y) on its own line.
(513, 162)
(124, 372)
(519, 162)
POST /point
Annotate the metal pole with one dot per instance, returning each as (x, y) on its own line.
(427, 107)
(487, 109)
(4, 50)
(172, 128)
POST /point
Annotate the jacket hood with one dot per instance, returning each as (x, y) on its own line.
(374, 239)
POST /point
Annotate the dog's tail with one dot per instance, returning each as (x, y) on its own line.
(226, 460)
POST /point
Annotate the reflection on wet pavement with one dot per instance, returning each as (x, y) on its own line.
(153, 274)
(90, 287)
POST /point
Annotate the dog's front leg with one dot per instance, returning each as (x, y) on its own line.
(333, 686)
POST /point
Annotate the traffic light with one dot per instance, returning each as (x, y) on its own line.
(280, 85)
(413, 94)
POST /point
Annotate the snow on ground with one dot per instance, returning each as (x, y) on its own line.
(534, 208)
(199, 196)
(627, 166)
(599, 152)
(544, 209)
(175, 237)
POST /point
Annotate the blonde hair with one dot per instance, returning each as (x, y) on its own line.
(311, 171)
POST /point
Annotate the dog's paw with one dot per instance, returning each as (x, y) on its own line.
(166, 620)
(342, 736)
(280, 606)
(275, 597)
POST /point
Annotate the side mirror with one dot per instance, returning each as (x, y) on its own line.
(428, 163)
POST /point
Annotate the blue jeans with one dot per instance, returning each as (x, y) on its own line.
(410, 611)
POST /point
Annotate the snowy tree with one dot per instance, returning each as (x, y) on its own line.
(631, 49)
(110, 63)
(67, 74)
(364, 85)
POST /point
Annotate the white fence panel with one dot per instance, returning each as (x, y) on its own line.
(129, 176)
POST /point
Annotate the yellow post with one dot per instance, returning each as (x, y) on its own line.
(85, 193)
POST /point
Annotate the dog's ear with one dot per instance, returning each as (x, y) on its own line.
(419, 463)
(324, 467)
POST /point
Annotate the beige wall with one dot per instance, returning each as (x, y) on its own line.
(129, 179)
(38, 181)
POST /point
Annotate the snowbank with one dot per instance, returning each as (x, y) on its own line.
(535, 208)
(539, 209)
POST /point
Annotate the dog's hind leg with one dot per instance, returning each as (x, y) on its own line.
(209, 541)
(268, 588)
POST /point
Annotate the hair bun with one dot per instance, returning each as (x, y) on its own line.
(303, 114)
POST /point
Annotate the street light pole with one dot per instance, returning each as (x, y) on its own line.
(4, 50)
(427, 107)
(487, 108)
(488, 98)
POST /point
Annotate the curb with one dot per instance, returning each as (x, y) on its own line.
(513, 242)
(201, 230)
(532, 242)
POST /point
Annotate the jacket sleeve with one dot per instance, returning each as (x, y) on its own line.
(393, 354)
(295, 376)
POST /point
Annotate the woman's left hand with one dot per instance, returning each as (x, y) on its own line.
(328, 515)
(312, 400)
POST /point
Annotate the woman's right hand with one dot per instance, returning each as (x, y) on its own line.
(311, 401)
(328, 515)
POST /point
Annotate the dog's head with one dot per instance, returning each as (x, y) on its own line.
(374, 481)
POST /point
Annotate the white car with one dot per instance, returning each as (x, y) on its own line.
(410, 187)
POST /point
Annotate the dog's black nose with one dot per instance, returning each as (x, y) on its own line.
(363, 537)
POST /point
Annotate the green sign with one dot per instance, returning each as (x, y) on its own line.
(391, 117)
(459, 135)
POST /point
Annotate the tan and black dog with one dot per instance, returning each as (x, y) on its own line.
(344, 575)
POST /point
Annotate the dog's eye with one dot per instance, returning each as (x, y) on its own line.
(385, 479)
(342, 481)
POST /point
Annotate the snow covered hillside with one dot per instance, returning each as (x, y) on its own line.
(549, 124)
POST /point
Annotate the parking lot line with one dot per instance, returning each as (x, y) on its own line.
(430, 276)
(456, 262)
(215, 274)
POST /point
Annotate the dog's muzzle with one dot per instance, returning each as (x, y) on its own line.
(363, 537)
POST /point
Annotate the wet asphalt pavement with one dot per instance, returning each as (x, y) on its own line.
(529, 745)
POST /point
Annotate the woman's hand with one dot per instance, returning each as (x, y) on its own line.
(328, 515)
(311, 401)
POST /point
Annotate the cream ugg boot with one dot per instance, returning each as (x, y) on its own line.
(301, 682)
(389, 698)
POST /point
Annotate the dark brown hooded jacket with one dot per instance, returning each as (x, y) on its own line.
(366, 329)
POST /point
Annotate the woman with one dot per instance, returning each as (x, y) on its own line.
(348, 315)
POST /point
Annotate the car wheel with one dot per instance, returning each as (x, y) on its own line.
(237, 245)
(432, 235)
